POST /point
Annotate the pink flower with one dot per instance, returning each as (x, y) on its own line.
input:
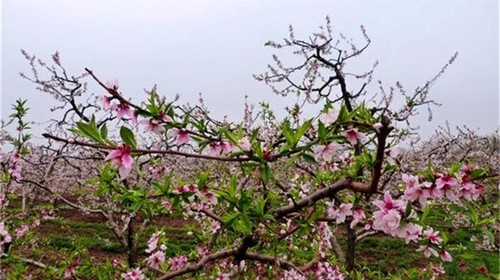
(292, 274)
(325, 271)
(202, 251)
(15, 171)
(446, 180)
(353, 135)
(153, 125)
(215, 227)
(427, 251)
(390, 221)
(325, 152)
(433, 236)
(36, 223)
(377, 126)
(209, 198)
(123, 110)
(116, 263)
(448, 185)
(469, 190)
(415, 193)
(223, 276)
(165, 118)
(167, 205)
(106, 102)
(412, 232)
(329, 116)
(182, 136)
(341, 212)
(21, 231)
(483, 269)
(438, 270)
(358, 214)
(410, 180)
(445, 256)
(389, 203)
(178, 262)
(430, 190)
(156, 259)
(244, 144)
(226, 146)
(121, 159)
(153, 242)
(112, 85)
(135, 274)
(214, 149)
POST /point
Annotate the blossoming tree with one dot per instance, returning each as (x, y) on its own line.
(270, 197)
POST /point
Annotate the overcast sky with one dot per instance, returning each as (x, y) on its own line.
(213, 47)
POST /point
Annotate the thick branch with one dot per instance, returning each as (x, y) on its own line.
(143, 151)
(312, 199)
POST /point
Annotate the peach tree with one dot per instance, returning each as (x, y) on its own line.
(270, 197)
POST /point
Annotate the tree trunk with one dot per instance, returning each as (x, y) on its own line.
(131, 252)
(351, 247)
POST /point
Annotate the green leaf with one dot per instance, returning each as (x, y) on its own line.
(230, 218)
(266, 173)
(231, 136)
(321, 131)
(473, 215)
(408, 209)
(300, 132)
(104, 131)
(477, 173)
(88, 131)
(259, 206)
(243, 225)
(233, 186)
(308, 158)
(292, 160)
(128, 137)
(288, 133)
(426, 212)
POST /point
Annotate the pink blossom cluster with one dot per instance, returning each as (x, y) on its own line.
(325, 234)
(231, 268)
(293, 274)
(134, 274)
(122, 109)
(221, 147)
(326, 271)
(15, 167)
(388, 220)
(445, 185)
(345, 210)
(155, 124)
(326, 152)
(178, 262)
(157, 257)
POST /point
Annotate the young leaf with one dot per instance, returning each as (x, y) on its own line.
(128, 137)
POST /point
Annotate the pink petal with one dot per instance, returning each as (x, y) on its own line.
(113, 154)
(127, 160)
(124, 171)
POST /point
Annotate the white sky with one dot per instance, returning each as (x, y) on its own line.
(213, 47)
